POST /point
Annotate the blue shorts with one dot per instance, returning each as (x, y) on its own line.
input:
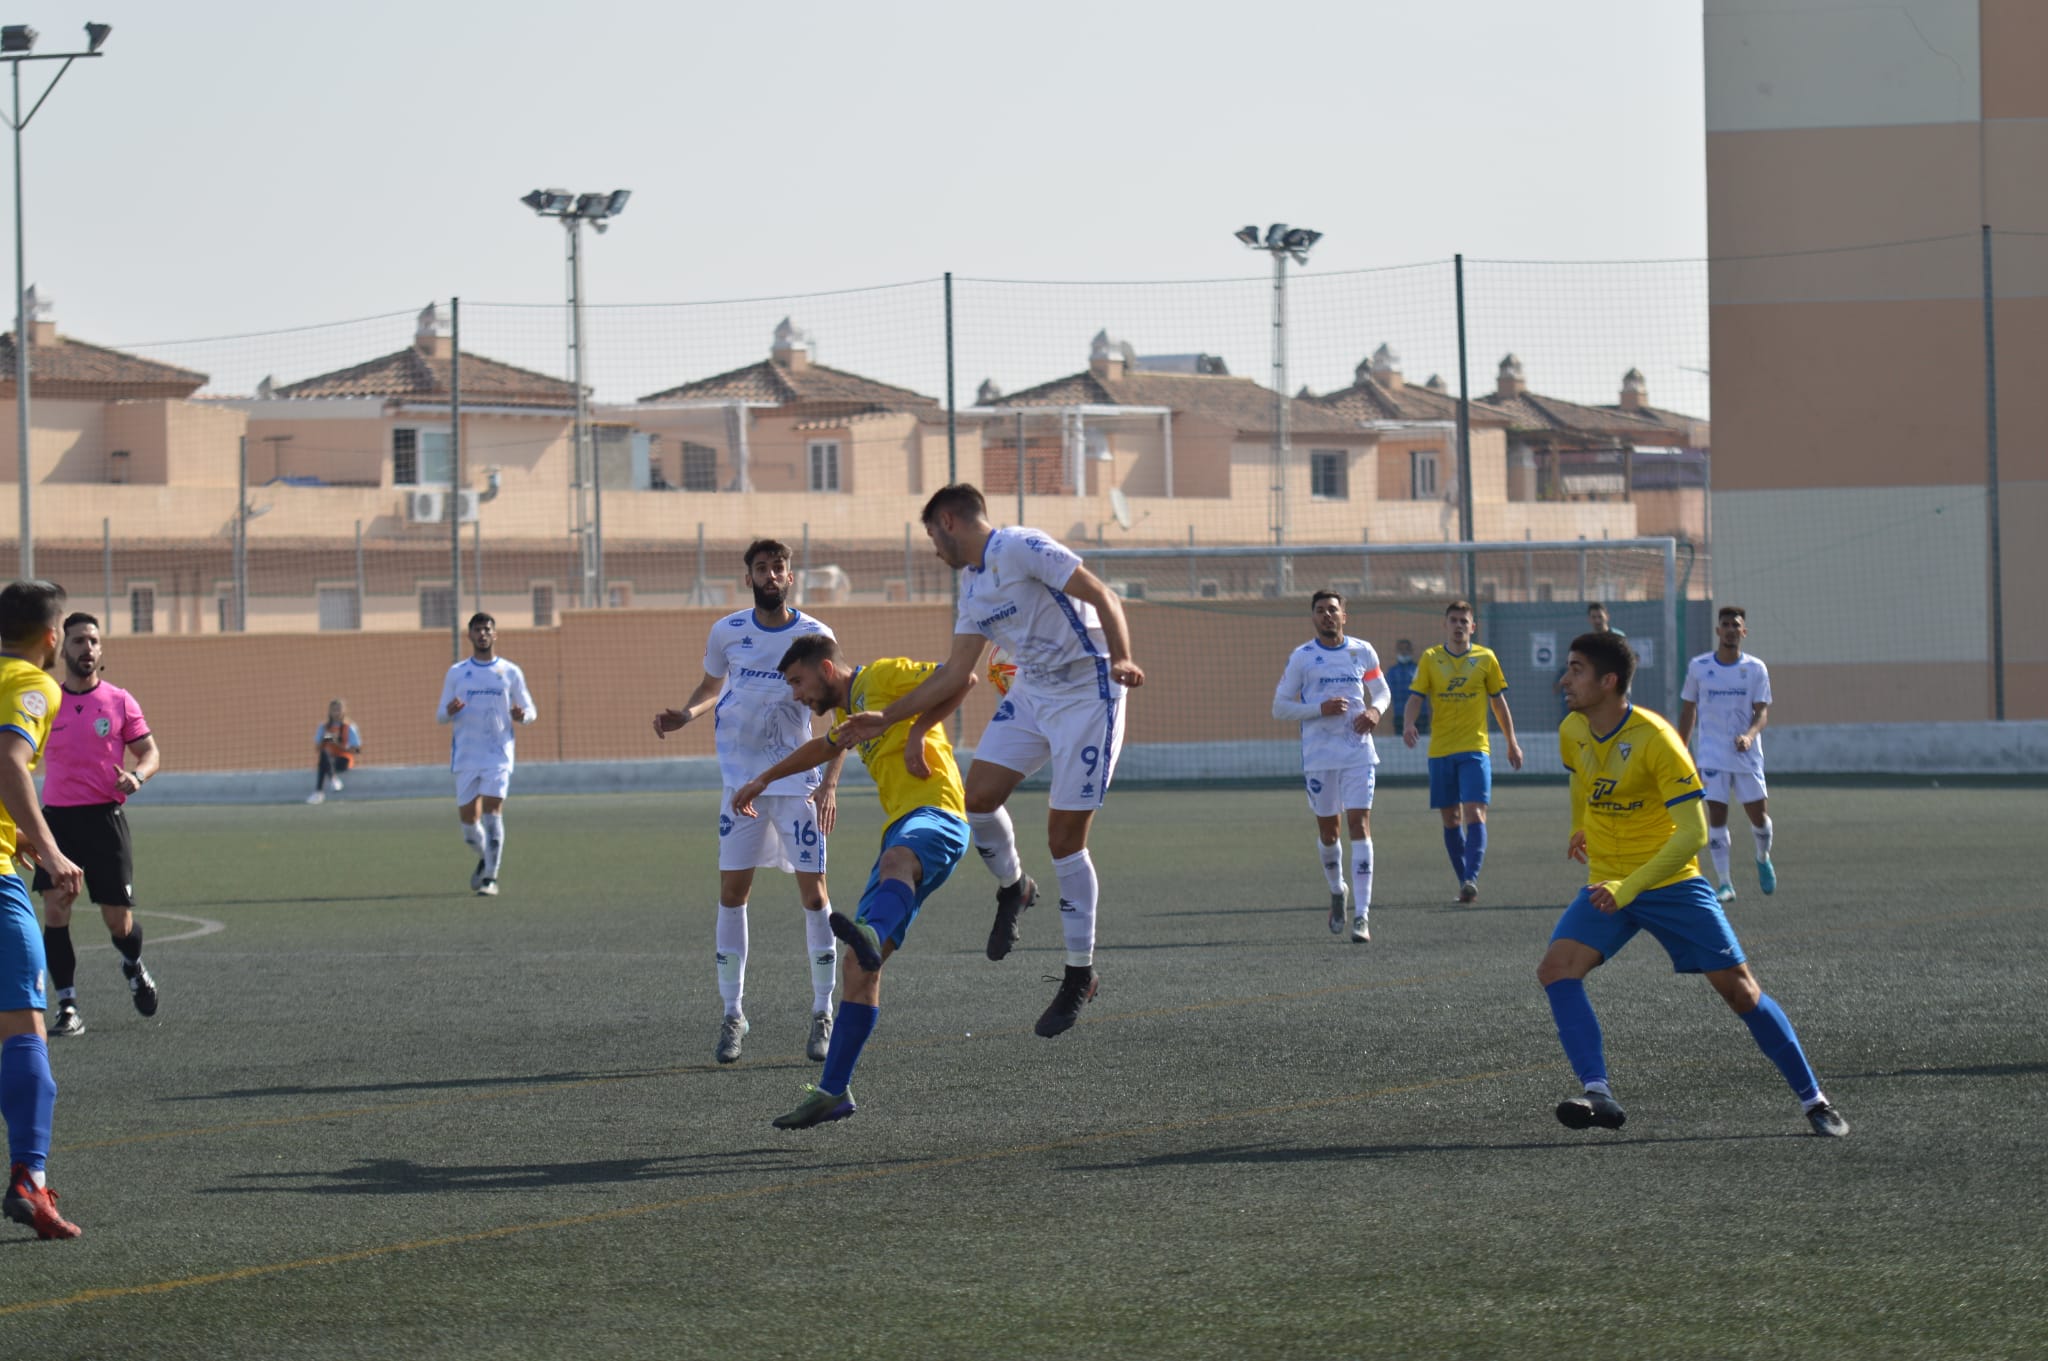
(21, 949)
(939, 841)
(1466, 777)
(1685, 917)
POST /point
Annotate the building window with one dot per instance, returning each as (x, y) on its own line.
(824, 465)
(224, 611)
(700, 467)
(1422, 466)
(340, 608)
(544, 605)
(619, 595)
(142, 609)
(1328, 475)
(422, 458)
(437, 607)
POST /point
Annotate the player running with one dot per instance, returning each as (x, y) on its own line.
(756, 723)
(1637, 825)
(484, 696)
(1332, 685)
(1729, 691)
(1066, 630)
(912, 764)
(85, 782)
(29, 642)
(1461, 680)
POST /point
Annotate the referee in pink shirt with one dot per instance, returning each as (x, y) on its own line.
(85, 782)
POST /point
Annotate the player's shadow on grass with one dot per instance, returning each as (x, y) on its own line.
(284, 900)
(431, 1085)
(1961, 1070)
(1339, 1153)
(401, 1176)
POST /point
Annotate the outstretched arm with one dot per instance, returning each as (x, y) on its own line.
(913, 742)
(812, 753)
(949, 682)
(668, 720)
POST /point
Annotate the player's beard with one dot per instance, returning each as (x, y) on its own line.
(769, 597)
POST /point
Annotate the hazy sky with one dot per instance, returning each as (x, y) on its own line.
(233, 166)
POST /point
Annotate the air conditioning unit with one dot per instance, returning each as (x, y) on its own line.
(466, 503)
(424, 507)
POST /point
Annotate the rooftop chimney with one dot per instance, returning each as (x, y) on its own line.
(1386, 368)
(1107, 358)
(792, 348)
(988, 394)
(430, 337)
(1436, 383)
(1511, 384)
(42, 328)
(1634, 391)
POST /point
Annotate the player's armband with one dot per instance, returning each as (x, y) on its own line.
(832, 736)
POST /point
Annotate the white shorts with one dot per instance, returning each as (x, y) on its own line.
(1080, 734)
(784, 837)
(1748, 785)
(1333, 791)
(491, 784)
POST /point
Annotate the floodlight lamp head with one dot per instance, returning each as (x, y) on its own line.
(616, 204)
(96, 36)
(17, 38)
(1274, 233)
(589, 205)
(537, 200)
(1298, 238)
(1248, 235)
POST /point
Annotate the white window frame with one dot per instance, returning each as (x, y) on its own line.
(1425, 468)
(618, 595)
(689, 447)
(812, 477)
(321, 588)
(420, 436)
(133, 587)
(420, 589)
(1338, 461)
(533, 589)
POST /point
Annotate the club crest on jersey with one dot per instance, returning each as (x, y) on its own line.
(35, 703)
(101, 727)
(1625, 750)
(747, 640)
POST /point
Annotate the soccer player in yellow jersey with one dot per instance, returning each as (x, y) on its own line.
(1637, 824)
(912, 764)
(1461, 680)
(30, 635)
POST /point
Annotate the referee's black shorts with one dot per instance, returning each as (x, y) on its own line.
(94, 837)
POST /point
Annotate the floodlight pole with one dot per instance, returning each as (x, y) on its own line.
(21, 318)
(589, 489)
(1283, 567)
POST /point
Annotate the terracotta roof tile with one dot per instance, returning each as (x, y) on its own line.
(72, 368)
(1368, 399)
(814, 385)
(1237, 402)
(411, 373)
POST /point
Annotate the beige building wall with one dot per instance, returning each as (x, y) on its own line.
(1853, 154)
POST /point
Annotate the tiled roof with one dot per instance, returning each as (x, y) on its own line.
(1368, 399)
(812, 386)
(411, 373)
(72, 368)
(1533, 411)
(1237, 402)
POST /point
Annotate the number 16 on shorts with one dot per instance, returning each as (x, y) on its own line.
(784, 837)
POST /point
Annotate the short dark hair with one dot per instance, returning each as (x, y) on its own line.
(1320, 596)
(77, 617)
(481, 617)
(1403, 644)
(961, 498)
(27, 608)
(812, 647)
(774, 548)
(1735, 610)
(1609, 655)
(1592, 605)
(1457, 605)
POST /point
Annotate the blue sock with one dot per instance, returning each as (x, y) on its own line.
(887, 906)
(1578, 1029)
(856, 1021)
(1475, 849)
(28, 1099)
(1773, 1034)
(1454, 842)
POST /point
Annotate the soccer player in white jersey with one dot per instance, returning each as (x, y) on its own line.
(1333, 687)
(482, 699)
(757, 722)
(1729, 692)
(1031, 595)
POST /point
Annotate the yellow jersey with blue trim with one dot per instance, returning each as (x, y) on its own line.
(876, 686)
(1624, 785)
(1458, 686)
(28, 698)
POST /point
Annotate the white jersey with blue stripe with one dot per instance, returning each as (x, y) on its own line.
(1315, 672)
(489, 691)
(1726, 694)
(1016, 597)
(756, 720)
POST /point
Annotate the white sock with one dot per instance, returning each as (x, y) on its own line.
(1599, 1089)
(1361, 877)
(1333, 863)
(732, 956)
(1763, 836)
(1078, 890)
(494, 842)
(38, 1179)
(1717, 848)
(824, 951)
(995, 841)
(1819, 1099)
(473, 837)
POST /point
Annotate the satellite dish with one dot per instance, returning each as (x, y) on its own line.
(1120, 507)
